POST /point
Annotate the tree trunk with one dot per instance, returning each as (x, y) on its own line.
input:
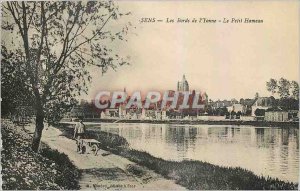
(39, 121)
(39, 126)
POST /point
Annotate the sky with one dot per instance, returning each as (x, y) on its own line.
(232, 60)
(225, 60)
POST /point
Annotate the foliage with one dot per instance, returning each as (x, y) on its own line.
(288, 92)
(221, 111)
(284, 88)
(23, 169)
(272, 86)
(68, 178)
(12, 93)
(56, 41)
(89, 110)
(295, 89)
(233, 113)
(287, 104)
(259, 112)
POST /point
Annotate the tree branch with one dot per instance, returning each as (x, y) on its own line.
(89, 39)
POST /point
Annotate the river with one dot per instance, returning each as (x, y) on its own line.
(266, 151)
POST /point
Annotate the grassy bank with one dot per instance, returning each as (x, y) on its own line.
(193, 175)
(293, 124)
(197, 175)
(24, 169)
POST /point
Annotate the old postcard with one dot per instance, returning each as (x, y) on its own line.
(150, 95)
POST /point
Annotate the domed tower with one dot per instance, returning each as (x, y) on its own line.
(183, 85)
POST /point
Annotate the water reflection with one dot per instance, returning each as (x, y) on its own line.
(265, 151)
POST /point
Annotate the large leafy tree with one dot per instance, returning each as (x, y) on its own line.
(284, 88)
(295, 90)
(55, 41)
(13, 94)
(272, 86)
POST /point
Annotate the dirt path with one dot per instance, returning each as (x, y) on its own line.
(108, 171)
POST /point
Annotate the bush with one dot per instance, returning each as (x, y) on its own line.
(259, 112)
(69, 174)
(23, 169)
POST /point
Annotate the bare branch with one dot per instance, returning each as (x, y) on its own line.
(89, 39)
(31, 16)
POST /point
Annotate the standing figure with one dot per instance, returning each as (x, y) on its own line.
(79, 133)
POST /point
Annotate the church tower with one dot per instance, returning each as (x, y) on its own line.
(183, 85)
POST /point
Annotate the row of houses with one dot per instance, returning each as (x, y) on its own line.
(142, 114)
(266, 105)
(244, 107)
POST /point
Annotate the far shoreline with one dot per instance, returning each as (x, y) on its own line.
(194, 122)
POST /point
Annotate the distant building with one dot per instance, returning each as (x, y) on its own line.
(122, 111)
(277, 115)
(111, 113)
(236, 108)
(224, 103)
(143, 114)
(262, 103)
(103, 115)
(158, 115)
(183, 85)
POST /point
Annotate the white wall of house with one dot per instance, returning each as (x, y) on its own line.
(236, 107)
(276, 116)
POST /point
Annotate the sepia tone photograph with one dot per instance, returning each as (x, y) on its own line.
(150, 95)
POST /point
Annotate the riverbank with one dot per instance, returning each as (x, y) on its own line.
(194, 122)
(23, 169)
(193, 175)
(105, 171)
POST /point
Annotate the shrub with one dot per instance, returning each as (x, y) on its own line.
(68, 175)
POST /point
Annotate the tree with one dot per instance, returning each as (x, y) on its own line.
(222, 111)
(272, 86)
(288, 104)
(242, 101)
(284, 88)
(56, 41)
(13, 95)
(259, 112)
(295, 89)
